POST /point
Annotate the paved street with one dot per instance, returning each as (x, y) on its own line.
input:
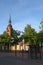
(20, 59)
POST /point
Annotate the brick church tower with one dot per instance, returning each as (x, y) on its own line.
(9, 28)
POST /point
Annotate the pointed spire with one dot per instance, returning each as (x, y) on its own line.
(10, 20)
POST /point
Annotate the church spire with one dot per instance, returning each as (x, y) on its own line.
(10, 20)
(9, 27)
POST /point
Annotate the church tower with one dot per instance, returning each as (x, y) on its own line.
(9, 27)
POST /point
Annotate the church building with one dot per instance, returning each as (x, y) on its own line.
(19, 46)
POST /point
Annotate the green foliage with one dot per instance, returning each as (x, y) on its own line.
(41, 25)
(30, 34)
(5, 39)
(40, 36)
(14, 35)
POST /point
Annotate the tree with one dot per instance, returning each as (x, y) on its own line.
(41, 25)
(15, 33)
(30, 34)
(40, 34)
(5, 40)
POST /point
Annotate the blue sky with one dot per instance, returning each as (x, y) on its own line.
(22, 12)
